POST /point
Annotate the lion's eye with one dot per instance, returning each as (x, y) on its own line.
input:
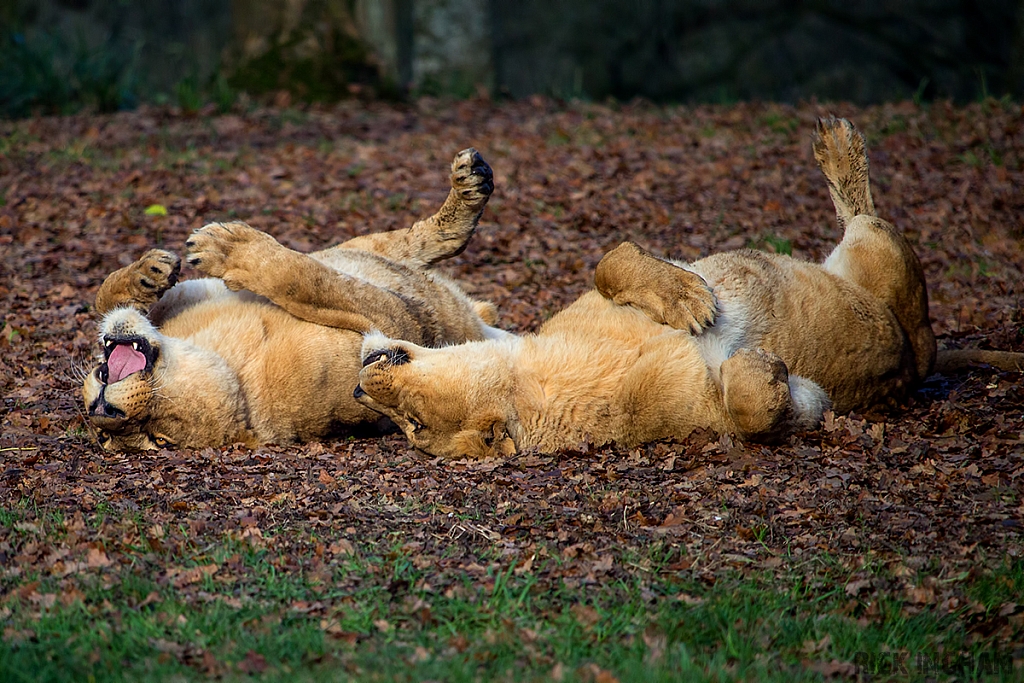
(416, 424)
(161, 442)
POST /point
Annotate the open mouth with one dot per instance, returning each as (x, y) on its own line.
(126, 356)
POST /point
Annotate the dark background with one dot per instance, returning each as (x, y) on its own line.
(62, 55)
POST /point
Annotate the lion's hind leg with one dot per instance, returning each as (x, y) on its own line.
(447, 232)
(840, 153)
(873, 253)
(764, 401)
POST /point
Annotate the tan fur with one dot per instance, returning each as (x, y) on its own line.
(266, 350)
(746, 342)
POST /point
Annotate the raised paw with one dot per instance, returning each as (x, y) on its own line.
(234, 252)
(665, 292)
(841, 156)
(141, 284)
(153, 274)
(472, 178)
(693, 305)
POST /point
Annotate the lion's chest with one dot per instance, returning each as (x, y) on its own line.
(580, 366)
(297, 377)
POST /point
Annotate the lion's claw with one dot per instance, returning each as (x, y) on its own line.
(693, 311)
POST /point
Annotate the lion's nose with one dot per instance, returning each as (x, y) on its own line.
(100, 407)
(359, 392)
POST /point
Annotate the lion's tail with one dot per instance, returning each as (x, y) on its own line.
(952, 360)
(839, 151)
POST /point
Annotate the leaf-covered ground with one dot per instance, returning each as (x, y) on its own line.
(874, 521)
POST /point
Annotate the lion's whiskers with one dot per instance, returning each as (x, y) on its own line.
(73, 370)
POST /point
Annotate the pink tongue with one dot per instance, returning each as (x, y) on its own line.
(124, 361)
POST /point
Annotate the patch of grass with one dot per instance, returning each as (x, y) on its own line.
(9, 517)
(897, 124)
(78, 151)
(996, 588)
(458, 84)
(919, 95)
(778, 123)
(188, 94)
(981, 155)
(558, 137)
(13, 141)
(396, 201)
(356, 201)
(371, 615)
(222, 94)
(773, 243)
(55, 74)
(985, 267)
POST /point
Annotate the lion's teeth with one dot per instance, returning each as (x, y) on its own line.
(135, 345)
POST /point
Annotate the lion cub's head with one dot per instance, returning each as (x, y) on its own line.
(454, 402)
(153, 391)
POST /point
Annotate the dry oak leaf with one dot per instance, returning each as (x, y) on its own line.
(592, 673)
(254, 663)
(342, 547)
(585, 615)
(183, 577)
(833, 668)
(920, 595)
(97, 559)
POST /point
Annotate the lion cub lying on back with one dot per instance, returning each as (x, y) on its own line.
(267, 349)
(745, 342)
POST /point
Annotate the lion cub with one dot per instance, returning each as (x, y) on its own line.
(266, 349)
(746, 342)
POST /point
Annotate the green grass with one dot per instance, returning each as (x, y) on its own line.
(773, 243)
(53, 73)
(778, 123)
(376, 615)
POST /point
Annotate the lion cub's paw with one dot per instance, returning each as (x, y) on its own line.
(666, 293)
(234, 252)
(472, 178)
(693, 309)
(153, 274)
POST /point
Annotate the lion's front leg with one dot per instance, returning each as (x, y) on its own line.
(246, 258)
(446, 233)
(141, 284)
(668, 294)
